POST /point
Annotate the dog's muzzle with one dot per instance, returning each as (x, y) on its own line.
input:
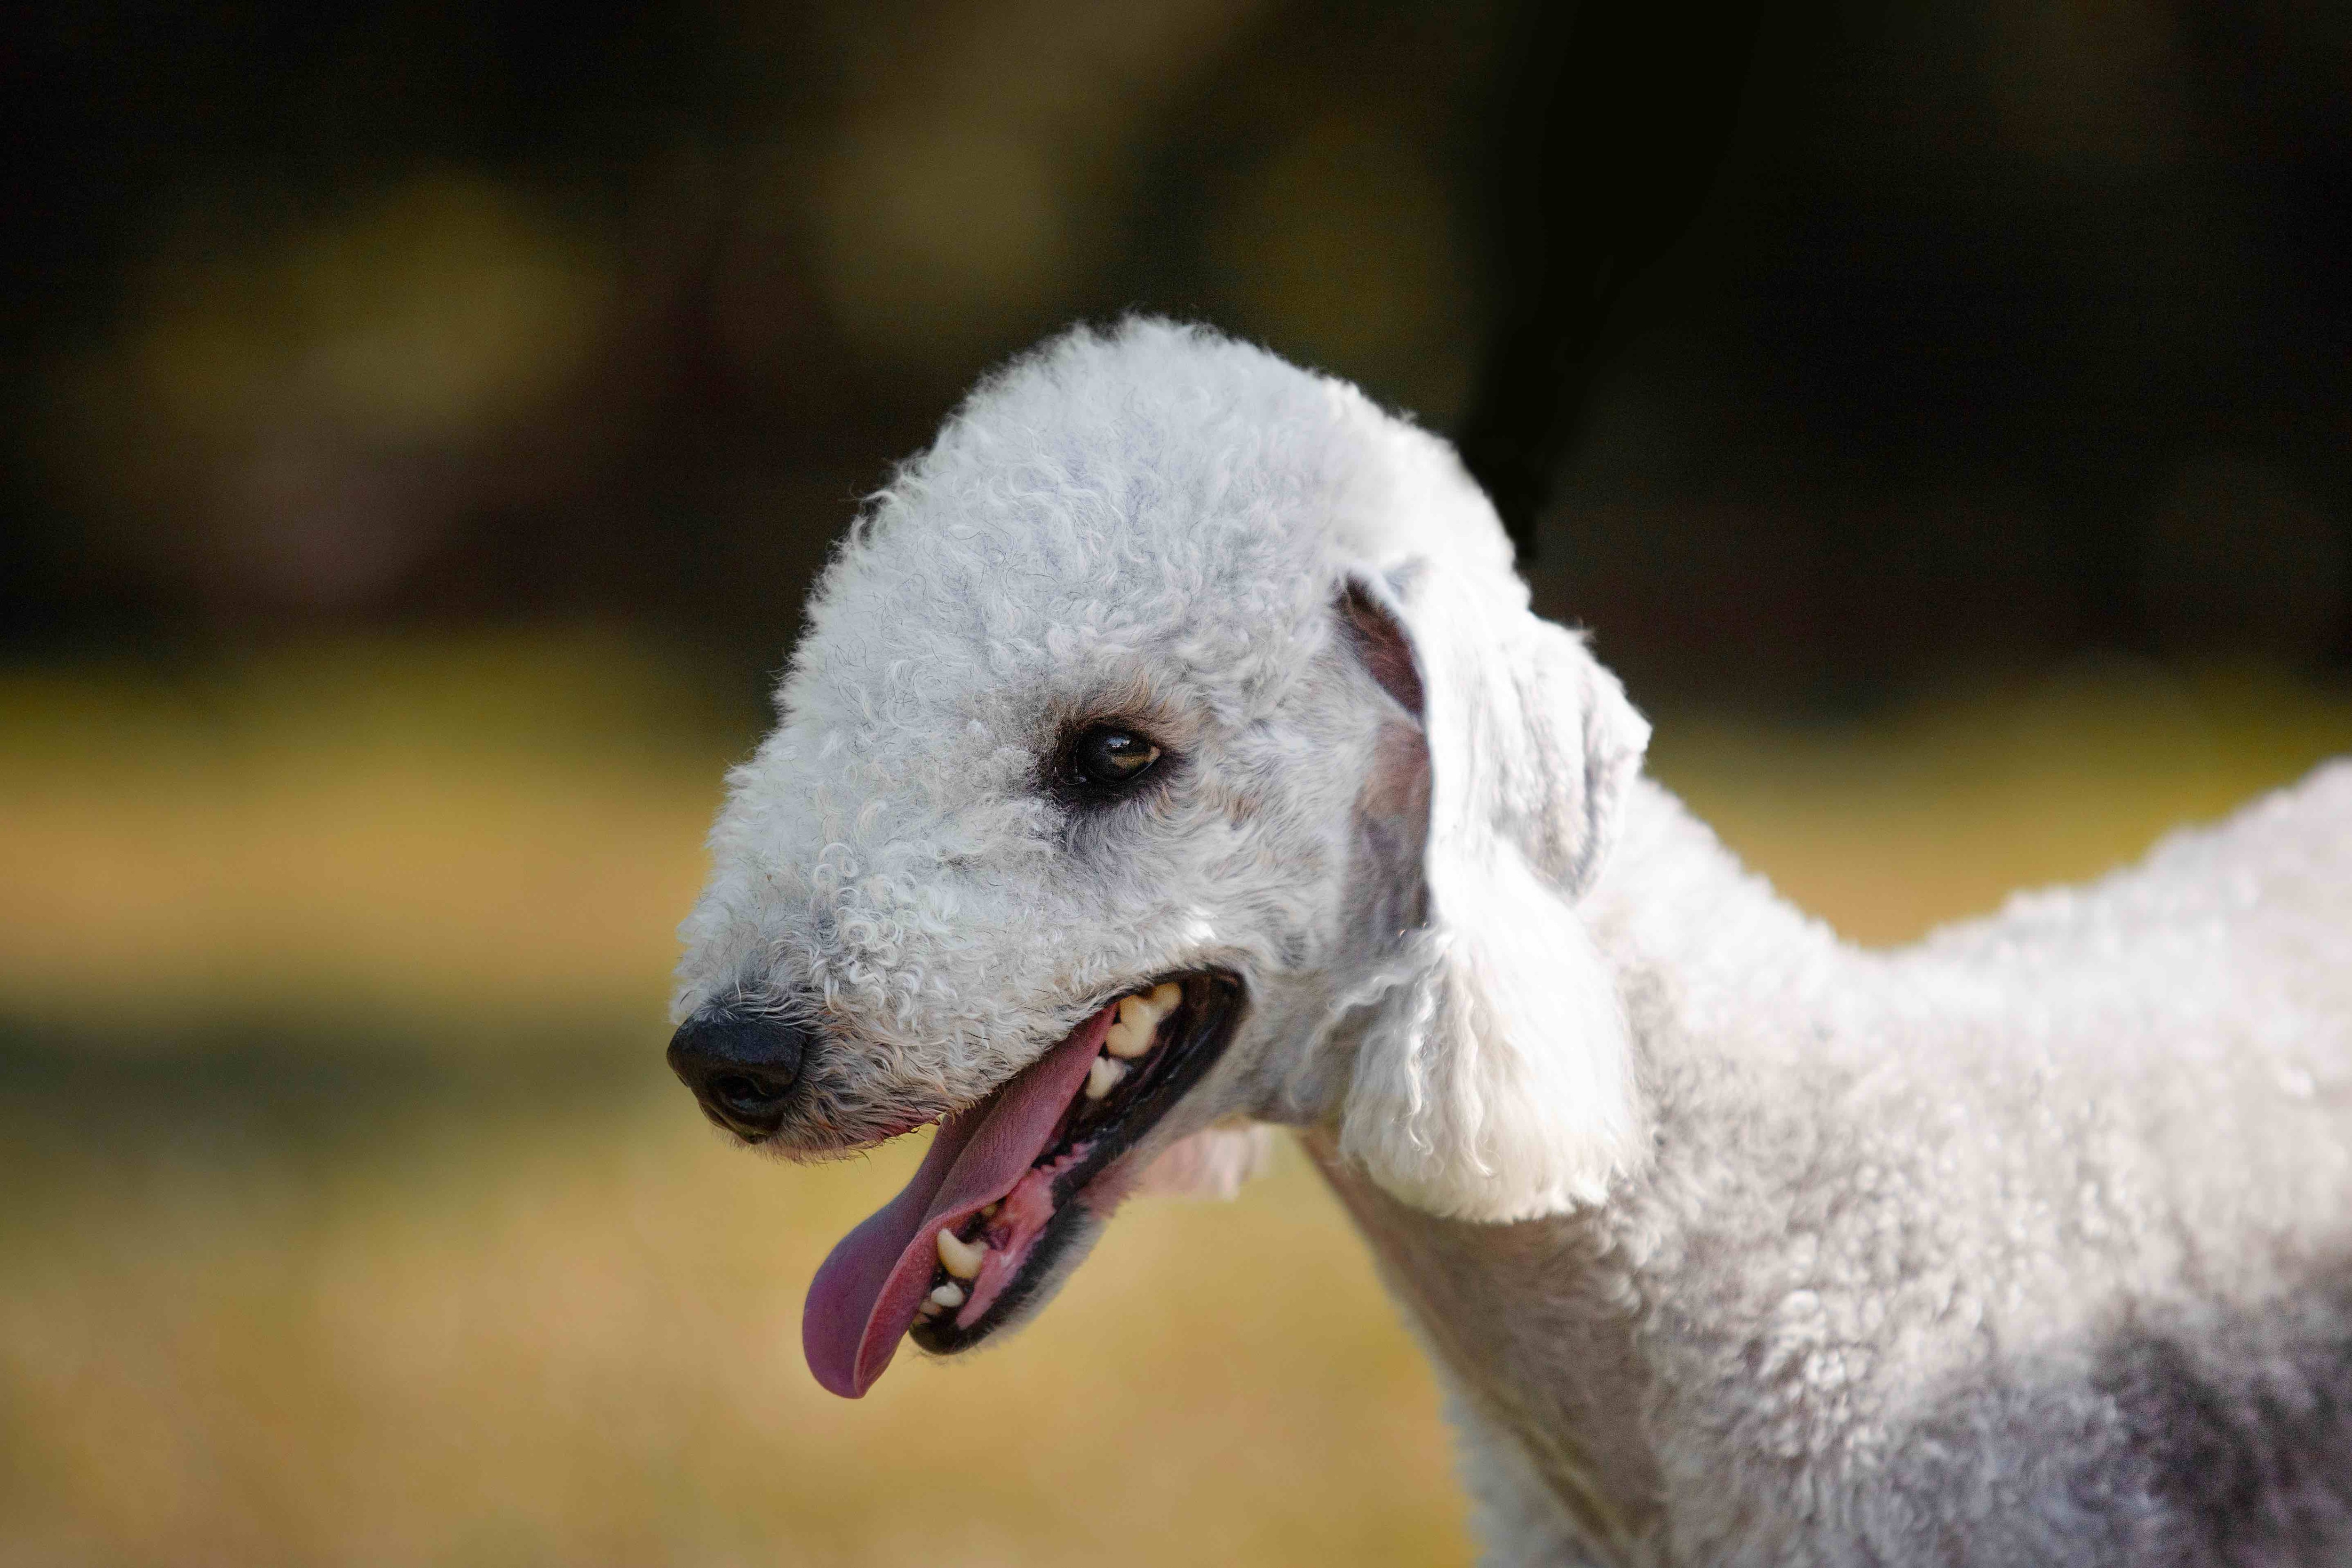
(741, 1068)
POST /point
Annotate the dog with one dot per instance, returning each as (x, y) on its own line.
(1171, 754)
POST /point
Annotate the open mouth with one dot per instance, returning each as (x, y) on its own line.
(1006, 1186)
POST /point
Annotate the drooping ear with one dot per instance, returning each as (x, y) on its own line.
(1494, 1082)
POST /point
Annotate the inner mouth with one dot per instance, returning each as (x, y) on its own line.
(1006, 1185)
(1162, 1038)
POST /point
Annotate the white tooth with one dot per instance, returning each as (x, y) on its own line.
(1129, 1034)
(1103, 1077)
(1135, 1031)
(948, 1297)
(929, 1310)
(961, 1258)
(989, 1212)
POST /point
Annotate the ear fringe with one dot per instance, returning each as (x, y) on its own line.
(1496, 1080)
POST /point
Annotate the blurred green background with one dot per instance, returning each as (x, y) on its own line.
(421, 423)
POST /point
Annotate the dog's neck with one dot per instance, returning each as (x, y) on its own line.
(1530, 1345)
(1539, 1326)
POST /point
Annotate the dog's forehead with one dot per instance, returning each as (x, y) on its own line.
(1087, 521)
(988, 624)
(1154, 515)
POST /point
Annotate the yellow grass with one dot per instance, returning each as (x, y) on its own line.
(350, 1218)
(478, 831)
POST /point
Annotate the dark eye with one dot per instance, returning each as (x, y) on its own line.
(1106, 757)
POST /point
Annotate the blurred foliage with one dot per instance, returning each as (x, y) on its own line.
(2001, 333)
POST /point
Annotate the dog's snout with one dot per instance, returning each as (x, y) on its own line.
(741, 1068)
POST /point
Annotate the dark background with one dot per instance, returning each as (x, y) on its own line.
(1832, 354)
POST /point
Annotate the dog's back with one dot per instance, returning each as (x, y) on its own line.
(2190, 1019)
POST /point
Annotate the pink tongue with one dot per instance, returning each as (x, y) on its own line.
(865, 1293)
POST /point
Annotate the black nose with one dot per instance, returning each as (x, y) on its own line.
(740, 1068)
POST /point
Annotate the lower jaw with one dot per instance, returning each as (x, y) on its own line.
(1213, 1005)
(1067, 1229)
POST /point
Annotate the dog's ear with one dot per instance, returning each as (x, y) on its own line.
(1494, 1082)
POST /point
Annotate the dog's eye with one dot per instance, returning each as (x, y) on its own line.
(1106, 757)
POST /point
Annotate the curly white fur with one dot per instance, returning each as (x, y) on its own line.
(1734, 1245)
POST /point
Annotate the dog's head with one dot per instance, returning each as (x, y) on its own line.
(1170, 744)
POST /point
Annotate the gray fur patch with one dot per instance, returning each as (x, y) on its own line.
(2211, 1439)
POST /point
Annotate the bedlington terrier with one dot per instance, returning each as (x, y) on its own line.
(1171, 752)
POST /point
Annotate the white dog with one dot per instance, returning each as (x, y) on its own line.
(1172, 750)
